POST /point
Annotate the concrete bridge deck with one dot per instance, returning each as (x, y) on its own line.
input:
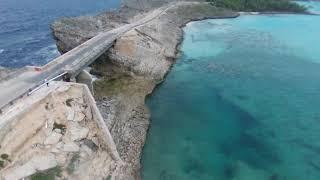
(72, 62)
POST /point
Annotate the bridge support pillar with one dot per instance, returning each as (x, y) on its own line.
(84, 77)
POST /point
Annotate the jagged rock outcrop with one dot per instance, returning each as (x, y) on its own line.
(131, 69)
(40, 139)
(145, 50)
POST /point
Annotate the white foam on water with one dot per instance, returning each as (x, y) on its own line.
(1, 51)
(50, 52)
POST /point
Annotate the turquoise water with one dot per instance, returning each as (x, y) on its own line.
(242, 103)
(313, 6)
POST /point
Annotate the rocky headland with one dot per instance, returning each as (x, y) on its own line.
(58, 133)
(138, 61)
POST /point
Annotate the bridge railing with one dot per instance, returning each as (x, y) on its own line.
(31, 90)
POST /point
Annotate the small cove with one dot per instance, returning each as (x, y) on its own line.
(240, 103)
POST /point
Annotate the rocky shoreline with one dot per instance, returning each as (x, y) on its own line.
(132, 68)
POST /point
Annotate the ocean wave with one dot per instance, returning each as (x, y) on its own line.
(48, 53)
(25, 35)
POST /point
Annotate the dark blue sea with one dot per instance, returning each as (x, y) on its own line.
(25, 35)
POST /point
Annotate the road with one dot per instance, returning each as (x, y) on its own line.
(72, 61)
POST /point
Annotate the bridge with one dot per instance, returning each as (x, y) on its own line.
(70, 63)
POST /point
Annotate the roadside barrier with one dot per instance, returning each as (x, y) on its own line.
(45, 83)
(32, 90)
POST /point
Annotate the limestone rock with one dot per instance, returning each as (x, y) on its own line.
(147, 51)
(90, 144)
(19, 172)
(44, 162)
(77, 132)
(37, 163)
(87, 150)
(58, 130)
(61, 159)
(57, 148)
(70, 114)
(60, 145)
(53, 138)
(79, 117)
(88, 113)
(71, 147)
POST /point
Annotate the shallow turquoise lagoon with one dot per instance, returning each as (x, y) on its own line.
(242, 103)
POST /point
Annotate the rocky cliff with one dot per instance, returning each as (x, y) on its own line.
(57, 133)
(137, 62)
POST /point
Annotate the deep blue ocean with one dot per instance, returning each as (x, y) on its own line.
(25, 35)
(241, 103)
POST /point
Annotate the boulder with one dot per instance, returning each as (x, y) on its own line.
(44, 162)
(79, 117)
(37, 163)
(77, 132)
(19, 172)
(53, 138)
(71, 147)
(70, 114)
(88, 113)
(57, 130)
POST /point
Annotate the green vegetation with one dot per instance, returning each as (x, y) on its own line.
(107, 178)
(4, 159)
(259, 5)
(47, 175)
(69, 101)
(1, 164)
(73, 162)
(4, 156)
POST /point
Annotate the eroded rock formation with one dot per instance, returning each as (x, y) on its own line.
(130, 70)
(57, 135)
